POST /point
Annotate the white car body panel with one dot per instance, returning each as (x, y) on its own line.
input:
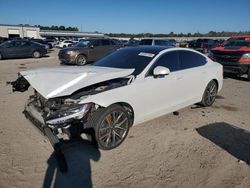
(149, 97)
(62, 81)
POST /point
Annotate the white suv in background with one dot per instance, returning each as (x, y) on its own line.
(64, 44)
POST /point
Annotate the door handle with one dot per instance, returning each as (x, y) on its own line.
(178, 77)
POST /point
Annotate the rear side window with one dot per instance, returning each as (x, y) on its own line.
(161, 43)
(169, 60)
(190, 59)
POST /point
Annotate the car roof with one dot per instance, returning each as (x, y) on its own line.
(149, 49)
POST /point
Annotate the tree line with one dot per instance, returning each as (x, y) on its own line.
(57, 28)
(172, 34)
(141, 35)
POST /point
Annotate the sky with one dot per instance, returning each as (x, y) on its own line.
(131, 16)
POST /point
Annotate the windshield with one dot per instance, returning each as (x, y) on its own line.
(237, 43)
(127, 58)
(83, 43)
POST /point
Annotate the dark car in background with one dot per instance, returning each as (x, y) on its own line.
(41, 41)
(88, 50)
(203, 45)
(3, 39)
(156, 42)
(21, 48)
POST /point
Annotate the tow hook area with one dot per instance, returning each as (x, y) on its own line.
(57, 145)
(21, 84)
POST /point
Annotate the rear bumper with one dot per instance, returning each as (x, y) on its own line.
(236, 68)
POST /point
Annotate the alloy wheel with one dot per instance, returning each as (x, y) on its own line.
(211, 93)
(113, 129)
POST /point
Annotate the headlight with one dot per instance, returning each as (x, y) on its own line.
(245, 58)
(71, 52)
(65, 116)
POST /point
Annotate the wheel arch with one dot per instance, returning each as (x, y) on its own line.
(84, 54)
(216, 81)
(129, 110)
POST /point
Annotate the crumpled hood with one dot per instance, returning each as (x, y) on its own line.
(64, 80)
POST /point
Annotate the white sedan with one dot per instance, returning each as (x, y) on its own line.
(128, 87)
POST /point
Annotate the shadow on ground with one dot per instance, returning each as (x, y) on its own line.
(234, 140)
(78, 156)
(235, 77)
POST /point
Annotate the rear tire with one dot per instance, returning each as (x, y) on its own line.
(81, 60)
(1, 56)
(36, 54)
(209, 94)
(111, 126)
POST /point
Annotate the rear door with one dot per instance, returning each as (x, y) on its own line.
(25, 48)
(109, 46)
(95, 51)
(193, 74)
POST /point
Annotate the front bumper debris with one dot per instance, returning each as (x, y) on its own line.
(37, 120)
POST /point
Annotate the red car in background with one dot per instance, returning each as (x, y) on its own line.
(234, 55)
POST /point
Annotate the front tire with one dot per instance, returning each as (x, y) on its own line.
(111, 126)
(36, 54)
(81, 60)
(1, 56)
(209, 94)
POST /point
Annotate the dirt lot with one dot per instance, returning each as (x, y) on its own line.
(200, 147)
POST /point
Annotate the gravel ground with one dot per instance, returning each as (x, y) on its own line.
(200, 147)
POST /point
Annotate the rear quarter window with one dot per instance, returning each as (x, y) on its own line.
(191, 59)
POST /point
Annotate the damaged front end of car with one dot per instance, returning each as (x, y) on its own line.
(64, 117)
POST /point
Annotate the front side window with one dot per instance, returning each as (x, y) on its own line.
(25, 43)
(162, 43)
(189, 59)
(169, 60)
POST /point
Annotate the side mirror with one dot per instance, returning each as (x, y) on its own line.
(160, 71)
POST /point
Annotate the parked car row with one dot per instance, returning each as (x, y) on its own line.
(90, 50)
